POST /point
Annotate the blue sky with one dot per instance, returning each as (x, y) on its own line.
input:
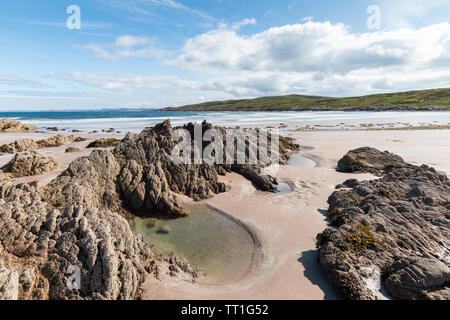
(151, 53)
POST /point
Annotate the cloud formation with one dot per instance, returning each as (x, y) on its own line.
(126, 47)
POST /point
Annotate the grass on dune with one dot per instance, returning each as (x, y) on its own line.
(416, 99)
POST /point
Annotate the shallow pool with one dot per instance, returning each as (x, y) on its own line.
(298, 160)
(220, 248)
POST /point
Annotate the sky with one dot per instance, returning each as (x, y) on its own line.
(158, 53)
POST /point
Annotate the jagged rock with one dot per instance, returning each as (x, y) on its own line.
(104, 143)
(139, 174)
(55, 141)
(29, 163)
(9, 125)
(89, 181)
(30, 144)
(40, 248)
(369, 160)
(19, 146)
(394, 230)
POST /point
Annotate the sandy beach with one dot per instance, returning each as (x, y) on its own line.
(286, 224)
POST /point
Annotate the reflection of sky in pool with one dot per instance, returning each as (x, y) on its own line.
(217, 246)
(298, 160)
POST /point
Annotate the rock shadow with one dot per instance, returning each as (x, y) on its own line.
(316, 275)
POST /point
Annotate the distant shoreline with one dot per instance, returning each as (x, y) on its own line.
(422, 100)
(311, 109)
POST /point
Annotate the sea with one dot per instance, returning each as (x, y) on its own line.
(134, 120)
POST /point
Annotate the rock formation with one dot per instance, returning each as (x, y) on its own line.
(104, 143)
(30, 144)
(42, 248)
(139, 174)
(72, 150)
(75, 222)
(29, 163)
(9, 125)
(391, 233)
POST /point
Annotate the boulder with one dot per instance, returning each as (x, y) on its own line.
(104, 143)
(369, 160)
(29, 163)
(10, 125)
(30, 144)
(72, 150)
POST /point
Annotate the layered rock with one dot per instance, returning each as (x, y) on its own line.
(55, 141)
(30, 144)
(44, 249)
(19, 146)
(10, 125)
(393, 232)
(370, 160)
(139, 174)
(29, 163)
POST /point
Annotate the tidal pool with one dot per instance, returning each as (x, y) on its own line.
(298, 160)
(283, 188)
(221, 248)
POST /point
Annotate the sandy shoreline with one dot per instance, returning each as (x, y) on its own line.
(286, 224)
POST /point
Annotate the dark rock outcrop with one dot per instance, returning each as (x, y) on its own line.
(104, 143)
(394, 231)
(140, 175)
(370, 160)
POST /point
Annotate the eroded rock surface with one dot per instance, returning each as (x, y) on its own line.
(394, 231)
(139, 174)
(104, 143)
(75, 222)
(30, 144)
(41, 248)
(29, 163)
(370, 160)
(10, 125)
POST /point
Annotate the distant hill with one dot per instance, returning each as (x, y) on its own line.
(427, 100)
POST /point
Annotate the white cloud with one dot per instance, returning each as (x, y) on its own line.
(311, 58)
(146, 7)
(313, 47)
(402, 13)
(130, 41)
(245, 22)
(125, 47)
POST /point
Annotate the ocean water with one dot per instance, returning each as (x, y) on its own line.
(135, 120)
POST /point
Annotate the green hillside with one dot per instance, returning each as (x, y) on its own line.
(425, 99)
